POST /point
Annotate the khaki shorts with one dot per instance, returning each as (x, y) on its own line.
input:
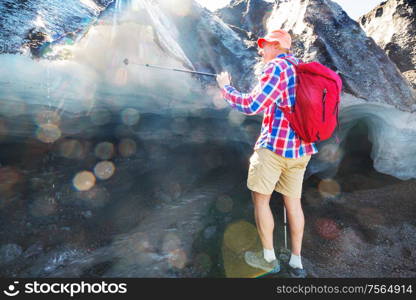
(269, 171)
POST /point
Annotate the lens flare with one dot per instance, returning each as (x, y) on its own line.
(177, 258)
(104, 170)
(142, 242)
(130, 116)
(83, 181)
(48, 117)
(104, 150)
(171, 246)
(240, 236)
(330, 153)
(48, 133)
(127, 147)
(327, 228)
(71, 149)
(236, 118)
(329, 188)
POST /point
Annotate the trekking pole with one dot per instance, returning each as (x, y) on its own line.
(126, 62)
(285, 224)
(284, 253)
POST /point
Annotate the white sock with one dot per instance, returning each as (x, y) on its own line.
(269, 254)
(295, 261)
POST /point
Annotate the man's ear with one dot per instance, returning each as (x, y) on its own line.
(277, 45)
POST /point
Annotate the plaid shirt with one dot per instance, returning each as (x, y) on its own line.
(276, 88)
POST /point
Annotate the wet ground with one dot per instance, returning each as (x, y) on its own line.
(166, 197)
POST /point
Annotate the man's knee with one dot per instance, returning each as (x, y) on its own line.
(292, 203)
(259, 198)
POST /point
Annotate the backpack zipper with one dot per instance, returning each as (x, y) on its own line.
(323, 103)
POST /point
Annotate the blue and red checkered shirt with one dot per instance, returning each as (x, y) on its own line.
(276, 88)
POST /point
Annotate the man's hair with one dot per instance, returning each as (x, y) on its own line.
(258, 67)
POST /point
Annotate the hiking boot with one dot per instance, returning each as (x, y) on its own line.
(256, 260)
(296, 272)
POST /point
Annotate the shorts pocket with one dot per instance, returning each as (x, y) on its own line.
(254, 163)
(301, 162)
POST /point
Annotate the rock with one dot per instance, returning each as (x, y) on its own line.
(215, 46)
(33, 21)
(33, 250)
(411, 77)
(209, 232)
(323, 31)
(390, 132)
(249, 15)
(9, 252)
(53, 260)
(392, 25)
(86, 214)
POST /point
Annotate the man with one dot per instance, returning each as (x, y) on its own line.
(280, 157)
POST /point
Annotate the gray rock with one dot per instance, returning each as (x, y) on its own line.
(9, 252)
(210, 231)
(33, 250)
(253, 17)
(33, 21)
(215, 46)
(411, 77)
(323, 31)
(392, 25)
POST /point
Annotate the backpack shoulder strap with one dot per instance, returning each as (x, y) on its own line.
(292, 61)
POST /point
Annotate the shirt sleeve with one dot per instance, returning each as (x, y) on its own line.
(262, 96)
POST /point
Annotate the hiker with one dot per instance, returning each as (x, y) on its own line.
(280, 156)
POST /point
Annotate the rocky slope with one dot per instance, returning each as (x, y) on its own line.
(324, 32)
(252, 16)
(392, 25)
(31, 22)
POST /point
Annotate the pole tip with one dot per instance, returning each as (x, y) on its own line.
(126, 61)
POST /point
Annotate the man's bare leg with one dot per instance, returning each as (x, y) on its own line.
(296, 222)
(266, 259)
(264, 218)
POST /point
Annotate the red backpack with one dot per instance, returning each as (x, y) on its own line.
(318, 93)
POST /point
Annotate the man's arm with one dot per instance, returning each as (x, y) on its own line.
(263, 95)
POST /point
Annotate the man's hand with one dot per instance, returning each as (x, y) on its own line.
(223, 79)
